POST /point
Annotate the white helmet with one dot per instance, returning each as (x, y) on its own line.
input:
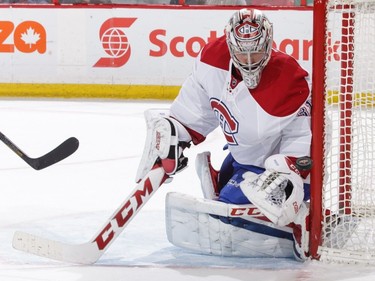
(249, 38)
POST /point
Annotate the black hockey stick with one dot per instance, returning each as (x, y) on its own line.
(65, 149)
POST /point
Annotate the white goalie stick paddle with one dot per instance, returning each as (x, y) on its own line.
(91, 251)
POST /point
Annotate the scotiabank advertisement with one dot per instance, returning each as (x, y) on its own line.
(135, 46)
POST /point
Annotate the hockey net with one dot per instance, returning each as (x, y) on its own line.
(343, 123)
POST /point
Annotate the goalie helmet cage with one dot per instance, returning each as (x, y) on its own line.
(342, 218)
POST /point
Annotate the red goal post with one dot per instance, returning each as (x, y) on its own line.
(342, 220)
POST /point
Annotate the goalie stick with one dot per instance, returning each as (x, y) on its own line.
(62, 151)
(90, 252)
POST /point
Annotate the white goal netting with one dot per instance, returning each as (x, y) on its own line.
(348, 230)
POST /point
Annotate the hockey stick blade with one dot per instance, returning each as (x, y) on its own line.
(65, 149)
(90, 252)
(86, 253)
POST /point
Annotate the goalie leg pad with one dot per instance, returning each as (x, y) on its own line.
(199, 225)
(301, 234)
(208, 176)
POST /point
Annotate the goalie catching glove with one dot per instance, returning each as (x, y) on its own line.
(277, 192)
(166, 139)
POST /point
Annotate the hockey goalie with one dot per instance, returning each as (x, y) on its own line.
(256, 204)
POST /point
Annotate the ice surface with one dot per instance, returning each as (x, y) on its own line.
(71, 200)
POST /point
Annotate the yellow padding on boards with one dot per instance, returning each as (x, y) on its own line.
(358, 99)
(89, 91)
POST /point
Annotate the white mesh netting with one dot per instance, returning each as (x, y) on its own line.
(349, 156)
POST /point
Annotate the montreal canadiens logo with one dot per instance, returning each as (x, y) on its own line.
(228, 122)
(247, 30)
(115, 42)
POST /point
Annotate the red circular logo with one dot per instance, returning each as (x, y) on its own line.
(115, 43)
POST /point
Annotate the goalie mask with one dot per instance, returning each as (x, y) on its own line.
(249, 39)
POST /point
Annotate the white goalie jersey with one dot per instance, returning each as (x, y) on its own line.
(272, 118)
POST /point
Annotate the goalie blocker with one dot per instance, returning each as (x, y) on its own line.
(166, 139)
